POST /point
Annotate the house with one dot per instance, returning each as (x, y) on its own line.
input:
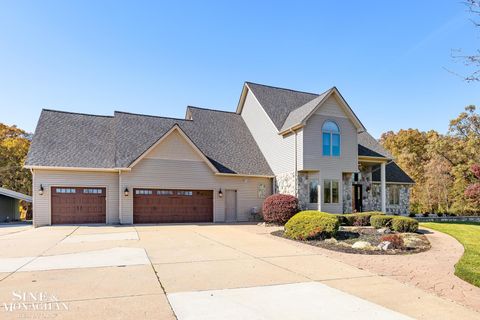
(10, 204)
(211, 166)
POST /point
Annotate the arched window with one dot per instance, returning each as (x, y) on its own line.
(331, 139)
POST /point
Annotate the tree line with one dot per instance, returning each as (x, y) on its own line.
(14, 145)
(445, 167)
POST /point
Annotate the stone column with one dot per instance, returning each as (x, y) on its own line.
(383, 187)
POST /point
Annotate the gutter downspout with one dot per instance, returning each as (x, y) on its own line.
(33, 198)
(120, 196)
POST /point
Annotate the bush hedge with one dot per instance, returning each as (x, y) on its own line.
(279, 208)
(404, 224)
(357, 219)
(311, 225)
(381, 221)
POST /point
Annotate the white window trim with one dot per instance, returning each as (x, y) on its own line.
(331, 191)
(330, 133)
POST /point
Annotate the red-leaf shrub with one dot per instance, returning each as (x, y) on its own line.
(278, 208)
(395, 239)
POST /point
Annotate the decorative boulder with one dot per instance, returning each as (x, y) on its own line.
(364, 245)
(384, 231)
(385, 245)
(331, 241)
(412, 242)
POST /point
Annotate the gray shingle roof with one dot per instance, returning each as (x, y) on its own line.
(78, 140)
(279, 102)
(298, 115)
(371, 146)
(393, 174)
(364, 151)
(64, 139)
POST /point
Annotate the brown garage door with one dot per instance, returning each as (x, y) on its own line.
(164, 206)
(78, 205)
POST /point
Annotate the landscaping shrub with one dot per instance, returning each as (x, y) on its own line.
(395, 239)
(357, 219)
(381, 221)
(412, 214)
(279, 208)
(404, 224)
(311, 225)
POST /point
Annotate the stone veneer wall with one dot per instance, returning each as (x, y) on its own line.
(285, 184)
(303, 190)
(373, 201)
(347, 189)
(372, 197)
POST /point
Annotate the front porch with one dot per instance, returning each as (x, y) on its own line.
(360, 192)
(369, 189)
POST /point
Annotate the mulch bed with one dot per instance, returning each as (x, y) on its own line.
(346, 238)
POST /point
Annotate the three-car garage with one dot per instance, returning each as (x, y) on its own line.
(87, 205)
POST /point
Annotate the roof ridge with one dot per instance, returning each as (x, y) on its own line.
(152, 116)
(215, 110)
(281, 88)
(77, 113)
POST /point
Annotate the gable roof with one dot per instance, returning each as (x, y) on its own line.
(175, 128)
(279, 102)
(370, 147)
(298, 115)
(75, 140)
(15, 195)
(288, 108)
(393, 174)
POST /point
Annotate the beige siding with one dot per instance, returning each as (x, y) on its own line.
(185, 174)
(300, 151)
(174, 146)
(312, 146)
(49, 178)
(278, 151)
(331, 107)
(330, 167)
(174, 164)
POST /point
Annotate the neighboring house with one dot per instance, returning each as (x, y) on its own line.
(212, 166)
(10, 204)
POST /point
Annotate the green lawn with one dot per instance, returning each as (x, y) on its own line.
(468, 234)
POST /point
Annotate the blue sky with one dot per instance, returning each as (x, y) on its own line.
(389, 59)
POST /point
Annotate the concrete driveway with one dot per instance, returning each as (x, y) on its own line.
(192, 272)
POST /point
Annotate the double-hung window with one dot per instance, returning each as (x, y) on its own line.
(330, 191)
(331, 139)
(394, 195)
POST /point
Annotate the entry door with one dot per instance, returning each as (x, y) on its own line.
(357, 198)
(230, 205)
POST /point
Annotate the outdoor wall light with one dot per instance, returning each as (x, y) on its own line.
(220, 193)
(125, 192)
(40, 191)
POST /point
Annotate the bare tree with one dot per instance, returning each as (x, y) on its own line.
(471, 60)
